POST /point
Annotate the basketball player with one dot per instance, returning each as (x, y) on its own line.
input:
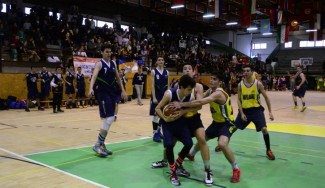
(222, 124)
(69, 87)
(33, 95)
(57, 89)
(46, 77)
(173, 127)
(102, 84)
(81, 87)
(300, 89)
(194, 122)
(159, 86)
(250, 108)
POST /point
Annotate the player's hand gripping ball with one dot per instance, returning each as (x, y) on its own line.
(169, 111)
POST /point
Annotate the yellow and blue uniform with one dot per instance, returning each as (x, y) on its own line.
(222, 115)
(252, 108)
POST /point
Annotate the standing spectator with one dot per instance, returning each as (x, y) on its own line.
(57, 89)
(138, 81)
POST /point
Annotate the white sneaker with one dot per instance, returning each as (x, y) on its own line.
(208, 177)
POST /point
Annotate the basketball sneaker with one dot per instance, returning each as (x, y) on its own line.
(159, 164)
(99, 150)
(106, 150)
(303, 109)
(41, 108)
(208, 177)
(269, 155)
(235, 175)
(174, 179)
(295, 107)
(180, 171)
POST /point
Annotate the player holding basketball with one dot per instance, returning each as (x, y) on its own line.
(158, 88)
(102, 81)
(300, 89)
(222, 124)
(250, 108)
(174, 127)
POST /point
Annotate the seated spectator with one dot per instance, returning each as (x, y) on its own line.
(81, 51)
(31, 50)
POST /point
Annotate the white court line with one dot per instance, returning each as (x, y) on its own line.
(53, 168)
(78, 147)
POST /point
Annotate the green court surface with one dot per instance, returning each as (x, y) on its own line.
(300, 162)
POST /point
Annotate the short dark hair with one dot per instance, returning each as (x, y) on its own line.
(247, 66)
(218, 75)
(186, 81)
(105, 46)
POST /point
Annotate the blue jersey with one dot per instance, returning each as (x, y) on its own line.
(69, 78)
(46, 77)
(175, 96)
(81, 81)
(161, 83)
(31, 79)
(106, 78)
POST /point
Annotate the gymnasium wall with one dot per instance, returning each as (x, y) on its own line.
(15, 84)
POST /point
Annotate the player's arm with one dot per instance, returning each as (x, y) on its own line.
(168, 86)
(207, 93)
(98, 66)
(164, 101)
(65, 80)
(153, 91)
(261, 89)
(215, 96)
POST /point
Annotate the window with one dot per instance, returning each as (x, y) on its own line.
(27, 10)
(58, 15)
(207, 42)
(102, 23)
(4, 8)
(125, 27)
(258, 46)
(288, 44)
(50, 13)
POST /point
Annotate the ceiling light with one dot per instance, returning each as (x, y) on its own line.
(177, 6)
(232, 23)
(208, 15)
(311, 30)
(267, 34)
(252, 28)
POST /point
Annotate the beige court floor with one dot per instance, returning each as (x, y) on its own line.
(23, 133)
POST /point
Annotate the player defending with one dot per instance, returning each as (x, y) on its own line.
(250, 108)
(222, 124)
(102, 81)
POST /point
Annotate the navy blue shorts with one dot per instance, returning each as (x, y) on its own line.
(32, 94)
(176, 130)
(300, 92)
(255, 115)
(106, 105)
(218, 129)
(45, 91)
(69, 89)
(194, 123)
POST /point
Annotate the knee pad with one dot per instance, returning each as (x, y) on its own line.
(107, 122)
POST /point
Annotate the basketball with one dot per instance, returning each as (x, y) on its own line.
(169, 111)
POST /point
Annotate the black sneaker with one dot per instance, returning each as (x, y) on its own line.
(27, 110)
(106, 150)
(208, 177)
(41, 109)
(159, 164)
(99, 150)
(180, 171)
(59, 110)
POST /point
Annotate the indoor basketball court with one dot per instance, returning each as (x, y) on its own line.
(43, 149)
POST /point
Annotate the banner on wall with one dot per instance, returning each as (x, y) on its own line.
(87, 64)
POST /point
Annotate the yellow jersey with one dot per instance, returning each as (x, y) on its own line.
(250, 96)
(222, 113)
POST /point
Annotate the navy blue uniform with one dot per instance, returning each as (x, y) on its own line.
(45, 84)
(57, 92)
(105, 89)
(302, 90)
(138, 79)
(176, 129)
(69, 89)
(31, 79)
(81, 86)
(161, 85)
